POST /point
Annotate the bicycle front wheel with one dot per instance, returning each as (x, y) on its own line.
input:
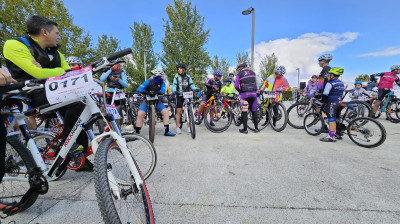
(152, 122)
(119, 198)
(218, 118)
(191, 121)
(366, 132)
(279, 116)
(18, 161)
(143, 151)
(297, 112)
(313, 124)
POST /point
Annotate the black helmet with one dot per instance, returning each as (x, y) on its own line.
(241, 65)
(372, 78)
(181, 65)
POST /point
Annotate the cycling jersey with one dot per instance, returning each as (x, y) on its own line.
(310, 89)
(228, 90)
(387, 79)
(359, 92)
(246, 81)
(150, 85)
(112, 85)
(334, 90)
(276, 84)
(323, 78)
(183, 83)
(20, 53)
(212, 86)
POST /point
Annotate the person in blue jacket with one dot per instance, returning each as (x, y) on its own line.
(153, 86)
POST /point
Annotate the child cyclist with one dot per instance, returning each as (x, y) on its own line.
(229, 88)
(332, 97)
(358, 91)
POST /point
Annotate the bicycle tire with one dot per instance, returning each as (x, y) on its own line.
(313, 124)
(359, 124)
(360, 106)
(196, 106)
(237, 114)
(15, 148)
(281, 114)
(143, 151)
(264, 117)
(191, 121)
(50, 155)
(141, 206)
(172, 110)
(218, 109)
(296, 114)
(152, 123)
(394, 106)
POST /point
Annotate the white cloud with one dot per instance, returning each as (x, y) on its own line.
(390, 51)
(301, 52)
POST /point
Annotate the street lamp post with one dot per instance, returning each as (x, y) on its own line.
(298, 77)
(247, 12)
(145, 65)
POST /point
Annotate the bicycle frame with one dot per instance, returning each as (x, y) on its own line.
(386, 101)
(89, 110)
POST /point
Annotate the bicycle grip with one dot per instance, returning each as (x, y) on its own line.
(12, 87)
(119, 54)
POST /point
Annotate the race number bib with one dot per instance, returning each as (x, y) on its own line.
(187, 95)
(111, 109)
(71, 85)
(151, 97)
(120, 96)
(269, 94)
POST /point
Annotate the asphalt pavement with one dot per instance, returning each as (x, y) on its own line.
(266, 177)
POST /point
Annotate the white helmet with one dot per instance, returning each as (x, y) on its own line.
(375, 89)
(73, 60)
(157, 72)
(280, 70)
(326, 57)
(394, 67)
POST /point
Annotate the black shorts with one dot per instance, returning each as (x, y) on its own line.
(333, 109)
(179, 101)
(382, 93)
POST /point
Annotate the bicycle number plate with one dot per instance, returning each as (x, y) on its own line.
(135, 97)
(270, 95)
(188, 95)
(71, 85)
(111, 109)
(120, 96)
(151, 97)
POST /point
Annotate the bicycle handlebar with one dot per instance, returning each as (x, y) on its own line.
(20, 85)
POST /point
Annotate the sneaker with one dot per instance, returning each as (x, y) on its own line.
(178, 131)
(243, 131)
(328, 139)
(338, 137)
(129, 128)
(198, 120)
(87, 167)
(169, 134)
(212, 124)
(256, 130)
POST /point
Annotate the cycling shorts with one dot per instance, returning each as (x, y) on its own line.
(179, 101)
(205, 98)
(143, 106)
(382, 93)
(333, 109)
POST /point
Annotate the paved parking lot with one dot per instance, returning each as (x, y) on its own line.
(266, 177)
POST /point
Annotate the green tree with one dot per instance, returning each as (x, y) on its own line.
(143, 40)
(14, 13)
(222, 65)
(267, 65)
(184, 41)
(242, 57)
(363, 78)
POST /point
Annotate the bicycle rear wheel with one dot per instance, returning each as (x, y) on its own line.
(313, 124)
(221, 119)
(366, 132)
(393, 111)
(263, 118)
(152, 122)
(297, 112)
(129, 204)
(191, 122)
(280, 119)
(18, 161)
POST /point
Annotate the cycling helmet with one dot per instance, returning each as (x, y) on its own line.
(375, 89)
(326, 57)
(157, 72)
(73, 60)
(281, 70)
(181, 65)
(314, 76)
(232, 74)
(242, 65)
(336, 71)
(372, 78)
(217, 73)
(394, 67)
(228, 80)
(358, 82)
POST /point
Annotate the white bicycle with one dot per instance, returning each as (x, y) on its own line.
(120, 189)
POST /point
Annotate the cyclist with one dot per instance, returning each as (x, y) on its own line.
(36, 56)
(332, 97)
(358, 91)
(232, 76)
(153, 86)
(276, 82)
(323, 78)
(311, 87)
(213, 85)
(247, 84)
(74, 63)
(385, 84)
(228, 89)
(372, 83)
(116, 80)
(182, 83)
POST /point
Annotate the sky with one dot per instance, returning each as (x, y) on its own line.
(362, 36)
